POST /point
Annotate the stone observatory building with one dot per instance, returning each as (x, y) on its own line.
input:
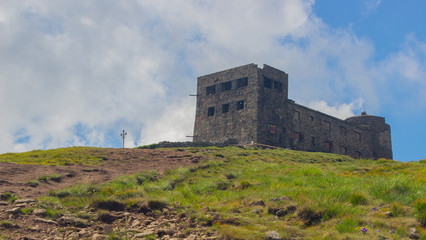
(248, 104)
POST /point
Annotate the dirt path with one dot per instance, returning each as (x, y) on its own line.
(15, 177)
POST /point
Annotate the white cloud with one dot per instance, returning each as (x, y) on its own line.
(341, 111)
(371, 5)
(77, 74)
(175, 124)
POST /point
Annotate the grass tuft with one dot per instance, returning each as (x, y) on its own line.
(8, 196)
(358, 199)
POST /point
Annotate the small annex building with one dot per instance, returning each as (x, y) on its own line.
(248, 104)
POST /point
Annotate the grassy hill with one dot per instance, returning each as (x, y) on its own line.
(243, 193)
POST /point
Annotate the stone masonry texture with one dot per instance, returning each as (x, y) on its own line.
(248, 104)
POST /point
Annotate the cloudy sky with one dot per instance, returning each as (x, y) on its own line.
(76, 73)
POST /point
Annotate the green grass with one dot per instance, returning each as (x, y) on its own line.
(60, 156)
(333, 196)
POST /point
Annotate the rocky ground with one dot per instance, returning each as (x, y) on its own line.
(165, 223)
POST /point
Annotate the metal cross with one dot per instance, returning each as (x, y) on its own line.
(123, 135)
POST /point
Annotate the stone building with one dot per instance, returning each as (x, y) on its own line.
(249, 104)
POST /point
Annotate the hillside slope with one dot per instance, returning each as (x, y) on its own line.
(216, 193)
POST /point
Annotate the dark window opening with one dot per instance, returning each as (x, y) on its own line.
(240, 105)
(357, 155)
(357, 136)
(342, 131)
(343, 150)
(210, 111)
(313, 140)
(267, 82)
(327, 146)
(225, 108)
(284, 130)
(278, 86)
(226, 86)
(211, 90)
(242, 82)
(298, 137)
(312, 118)
(272, 129)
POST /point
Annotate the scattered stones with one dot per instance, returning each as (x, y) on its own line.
(35, 228)
(73, 221)
(40, 212)
(192, 237)
(144, 233)
(413, 233)
(164, 224)
(3, 203)
(273, 235)
(98, 236)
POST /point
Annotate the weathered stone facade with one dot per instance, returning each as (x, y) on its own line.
(248, 104)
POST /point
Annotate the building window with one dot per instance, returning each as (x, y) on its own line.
(240, 105)
(211, 90)
(357, 155)
(357, 135)
(327, 125)
(226, 86)
(298, 137)
(327, 146)
(267, 82)
(296, 115)
(210, 111)
(242, 82)
(278, 86)
(272, 129)
(312, 118)
(342, 131)
(313, 140)
(343, 150)
(225, 108)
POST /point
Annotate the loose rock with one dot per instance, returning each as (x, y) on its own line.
(27, 200)
(40, 212)
(273, 235)
(42, 220)
(14, 211)
(258, 203)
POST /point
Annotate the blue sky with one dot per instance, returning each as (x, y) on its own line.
(77, 73)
